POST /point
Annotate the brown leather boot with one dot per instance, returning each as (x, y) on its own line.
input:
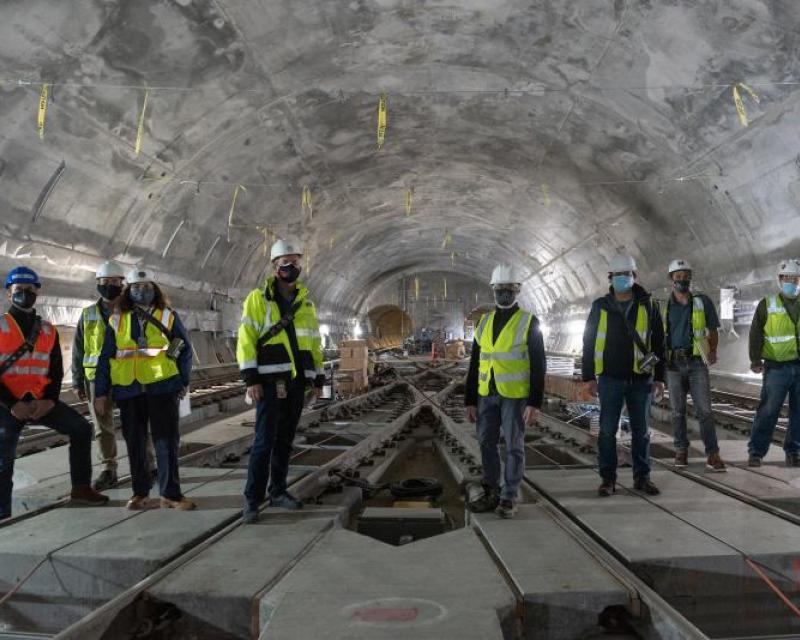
(681, 458)
(84, 494)
(715, 463)
(184, 504)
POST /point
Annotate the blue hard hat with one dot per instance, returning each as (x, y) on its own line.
(22, 275)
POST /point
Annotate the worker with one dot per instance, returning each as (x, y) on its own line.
(30, 384)
(279, 350)
(623, 363)
(690, 339)
(145, 364)
(86, 347)
(504, 389)
(774, 353)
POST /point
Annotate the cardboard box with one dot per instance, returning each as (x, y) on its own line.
(350, 344)
(354, 352)
(352, 381)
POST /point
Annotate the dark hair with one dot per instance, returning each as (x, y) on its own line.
(160, 301)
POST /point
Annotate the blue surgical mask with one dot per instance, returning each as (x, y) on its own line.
(790, 289)
(622, 284)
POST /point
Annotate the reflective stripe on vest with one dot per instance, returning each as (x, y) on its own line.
(30, 373)
(780, 333)
(94, 333)
(600, 339)
(144, 364)
(505, 360)
(699, 327)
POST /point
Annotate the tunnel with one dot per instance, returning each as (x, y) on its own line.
(388, 327)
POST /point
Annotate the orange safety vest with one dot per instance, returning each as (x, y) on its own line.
(29, 374)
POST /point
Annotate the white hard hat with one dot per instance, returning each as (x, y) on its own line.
(790, 267)
(138, 275)
(505, 274)
(621, 263)
(679, 264)
(110, 269)
(285, 248)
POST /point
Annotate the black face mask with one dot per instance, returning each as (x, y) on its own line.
(24, 299)
(142, 297)
(682, 286)
(109, 291)
(289, 273)
(504, 297)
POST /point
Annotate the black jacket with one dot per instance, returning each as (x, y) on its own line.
(618, 360)
(536, 356)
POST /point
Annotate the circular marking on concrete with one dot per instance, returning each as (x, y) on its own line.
(394, 612)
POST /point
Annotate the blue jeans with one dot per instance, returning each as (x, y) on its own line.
(691, 376)
(160, 411)
(777, 383)
(635, 394)
(62, 419)
(276, 423)
(496, 414)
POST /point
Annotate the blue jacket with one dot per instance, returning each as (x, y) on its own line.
(170, 385)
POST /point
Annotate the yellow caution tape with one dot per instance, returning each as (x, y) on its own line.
(266, 241)
(739, 103)
(42, 110)
(447, 239)
(416, 288)
(233, 208)
(330, 243)
(140, 126)
(409, 201)
(306, 202)
(546, 195)
(381, 120)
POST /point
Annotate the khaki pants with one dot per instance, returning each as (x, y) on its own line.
(105, 433)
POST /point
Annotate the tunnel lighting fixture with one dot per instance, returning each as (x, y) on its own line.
(324, 330)
(545, 329)
(357, 331)
(575, 327)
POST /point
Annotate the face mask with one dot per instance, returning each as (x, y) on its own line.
(289, 273)
(682, 286)
(622, 284)
(790, 289)
(504, 298)
(143, 297)
(24, 299)
(109, 291)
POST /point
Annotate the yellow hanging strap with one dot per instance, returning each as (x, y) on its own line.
(140, 126)
(739, 103)
(233, 208)
(305, 201)
(330, 243)
(307, 257)
(546, 194)
(266, 241)
(416, 288)
(381, 120)
(42, 110)
(409, 201)
(447, 239)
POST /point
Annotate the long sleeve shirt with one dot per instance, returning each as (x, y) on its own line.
(52, 391)
(536, 358)
(170, 385)
(756, 340)
(78, 373)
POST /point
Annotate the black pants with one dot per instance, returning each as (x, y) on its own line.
(161, 412)
(62, 419)
(276, 423)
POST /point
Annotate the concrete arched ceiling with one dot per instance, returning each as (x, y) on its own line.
(551, 133)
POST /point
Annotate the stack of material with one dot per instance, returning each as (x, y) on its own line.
(570, 389)
(353, 366)
(454, 350)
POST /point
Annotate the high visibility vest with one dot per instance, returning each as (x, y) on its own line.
(94, 333)
(147, 363)
(260, 312)
(600, 341)
(29, 374)
(699, 327)
(780, 333)
(507, 358)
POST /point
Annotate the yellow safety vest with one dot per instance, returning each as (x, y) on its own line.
(145, 364)
(94, 333)
(506, 359)
(699, 327)
(259, 313)
(780, 333)
(600, 340)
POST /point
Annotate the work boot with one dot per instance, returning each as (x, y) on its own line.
(645, 486)
(607, 488)
(84, 494)
(250, 514)
(486, 503)
(106, 480)
(286, 500)
(681, 458)
(506, 509)
(715, 463)
(137, 503)
(182, 504)
(754, 461)
(793, 459)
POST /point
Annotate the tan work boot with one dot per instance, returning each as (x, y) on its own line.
(184, 504)
(137, 503)
(715, 463)
(84, 494)
(681, 458)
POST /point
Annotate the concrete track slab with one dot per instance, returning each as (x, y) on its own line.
(351, 586)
